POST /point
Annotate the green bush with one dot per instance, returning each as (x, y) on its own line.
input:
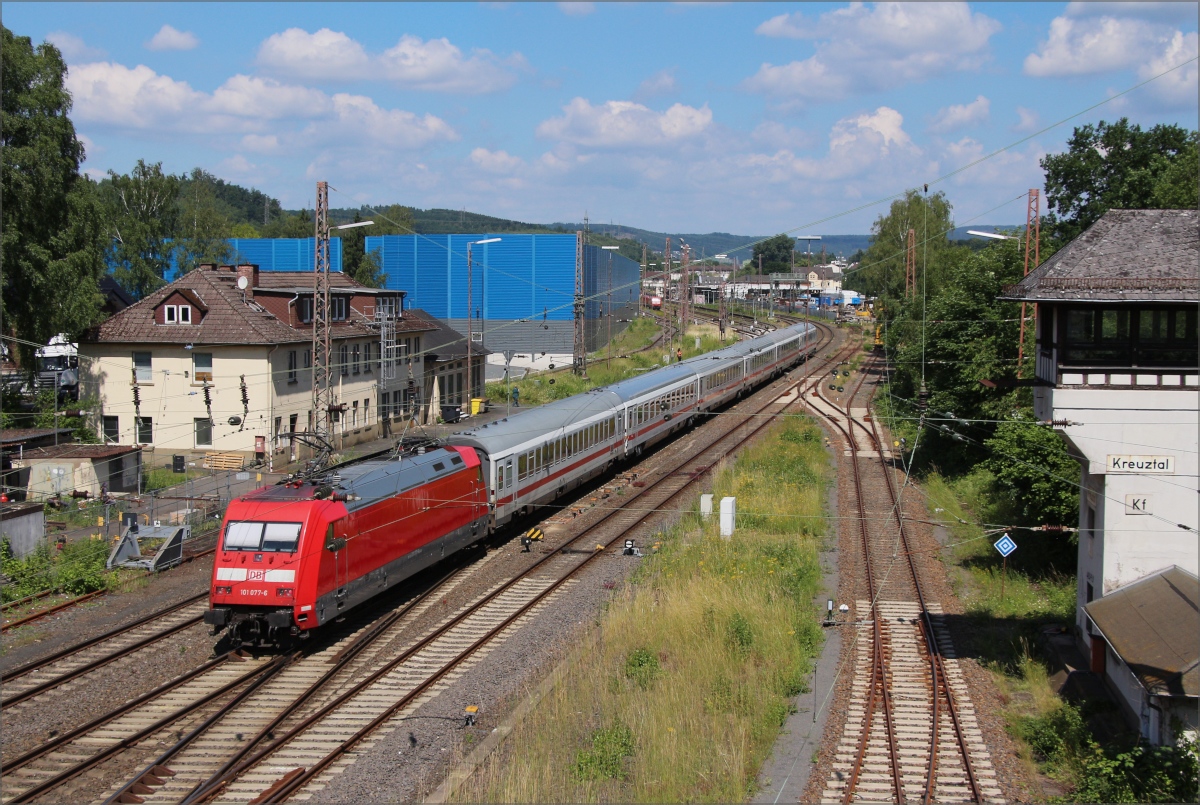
(606, 758)
(1061, 740)
(642, 667)
(77, 569)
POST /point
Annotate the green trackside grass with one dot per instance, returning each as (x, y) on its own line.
(678, 692)
(538, 389)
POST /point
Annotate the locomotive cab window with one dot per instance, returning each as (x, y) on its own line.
(250, 536)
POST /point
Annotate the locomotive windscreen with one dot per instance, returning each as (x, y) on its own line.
(242, 535)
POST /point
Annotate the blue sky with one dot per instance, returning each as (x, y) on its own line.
(685, 117)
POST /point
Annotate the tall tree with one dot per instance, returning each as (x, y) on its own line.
(143, 215)
(362, 265)
(881, 272)
(1117, 165)
(203, 225)
(53, 242)
(776, 254)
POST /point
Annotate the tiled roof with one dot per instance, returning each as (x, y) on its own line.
(1153, 626)
(230, 319)
(1126, 256)
(18, 435)
(92, 451)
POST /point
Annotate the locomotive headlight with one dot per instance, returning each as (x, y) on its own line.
(284, 592)
(223, 590)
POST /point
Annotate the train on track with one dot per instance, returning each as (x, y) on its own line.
(652, 301)
(293, 556)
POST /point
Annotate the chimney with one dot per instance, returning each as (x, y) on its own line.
(250, 272)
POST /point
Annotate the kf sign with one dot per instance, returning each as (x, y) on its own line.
(1137, 504)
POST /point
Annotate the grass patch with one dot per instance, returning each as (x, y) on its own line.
(156, 478)
(678, 693)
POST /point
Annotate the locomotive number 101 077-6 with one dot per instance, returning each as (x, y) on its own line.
(254, 592)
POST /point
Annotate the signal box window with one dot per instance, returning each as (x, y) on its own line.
(203, 432)
(112, 429)
(242, 535)
(145, 430)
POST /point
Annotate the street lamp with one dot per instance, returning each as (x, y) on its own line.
(470, 328)
(608, 306)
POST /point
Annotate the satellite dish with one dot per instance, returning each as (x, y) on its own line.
(243, 283)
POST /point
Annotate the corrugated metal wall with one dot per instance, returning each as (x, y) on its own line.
(521, 277)
(276, 254)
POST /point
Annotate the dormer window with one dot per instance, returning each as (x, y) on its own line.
(338, 306)
(177, 314)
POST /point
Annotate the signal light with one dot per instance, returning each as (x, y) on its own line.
(284, 592)
(223, 590)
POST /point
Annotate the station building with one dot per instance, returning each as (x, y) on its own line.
(1116, 360)
(522, 289)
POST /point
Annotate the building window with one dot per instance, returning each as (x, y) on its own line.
(145, 430)
(112, 429)
(185, 314)
(202, 367)
(385, 407)
(354, 414)
(345, 353)
(308, 359)
(203, 432)
(292, 366)
(305, 309)
(356, 350)
(367, 411)
(367, 357)
(338, 306)
(1163, 336)
(141, 368)
(169, 314)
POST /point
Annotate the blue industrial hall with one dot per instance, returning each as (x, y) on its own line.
(522, 286)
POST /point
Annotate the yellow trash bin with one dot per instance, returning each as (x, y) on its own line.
(478, 406)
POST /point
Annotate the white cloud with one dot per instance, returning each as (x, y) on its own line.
(577, 9)
(439, 66)
(358, 118)
(1092, 38)
(496, 161)
(260, 143)
(139, 98)
(624, 123)
(250, 97)
(238, 164)
(1178, 87)
(1168, 12)
(72, 47)
(125, 97)
(961, 115)
(90, 149)
(325, 54)
(661, 83)
(1027, 120)
(169, 38)
(435, 65)
(865, 49)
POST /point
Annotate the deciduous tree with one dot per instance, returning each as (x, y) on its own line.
(53, 241)
(1117, 165)
(143, 218)
(881, 272)
(204, 228)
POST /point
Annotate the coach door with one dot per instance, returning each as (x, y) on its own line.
(339, 546)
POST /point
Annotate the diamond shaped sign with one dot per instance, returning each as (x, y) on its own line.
(1005, 545)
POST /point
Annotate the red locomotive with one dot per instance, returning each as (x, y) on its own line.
(652, 301)
(293, 556)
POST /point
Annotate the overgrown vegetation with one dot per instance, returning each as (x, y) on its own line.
(76, 569)
(678, 693)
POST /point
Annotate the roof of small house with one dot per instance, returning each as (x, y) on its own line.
(1153, 625)
(1126, 256)
(231, 317)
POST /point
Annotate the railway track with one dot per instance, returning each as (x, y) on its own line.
(73, 662)
(325, 725)
(910, 732)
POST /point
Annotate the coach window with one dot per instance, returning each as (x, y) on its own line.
(521, 467)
